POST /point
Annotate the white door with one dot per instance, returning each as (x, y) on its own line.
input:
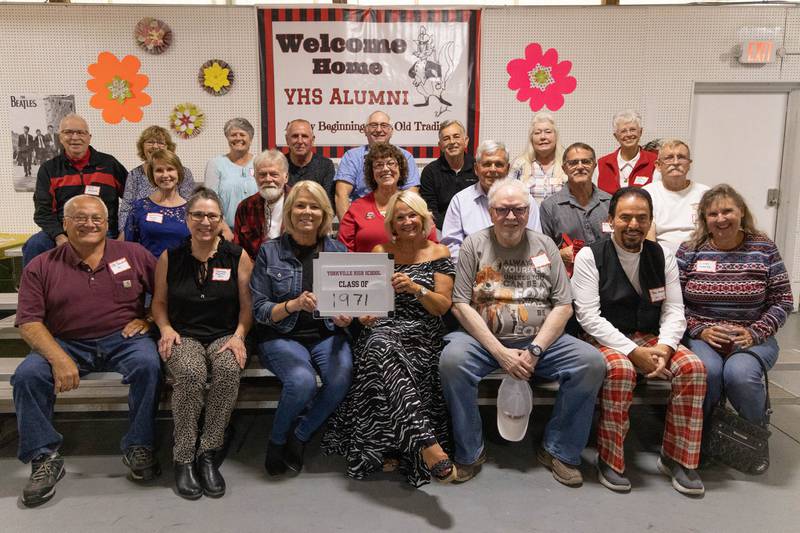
(737, 138)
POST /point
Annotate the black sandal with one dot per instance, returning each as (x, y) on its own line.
(444, 471)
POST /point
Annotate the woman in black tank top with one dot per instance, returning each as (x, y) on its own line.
(202, 307)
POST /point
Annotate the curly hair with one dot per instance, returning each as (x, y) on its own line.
(382, 151)
(154, 133)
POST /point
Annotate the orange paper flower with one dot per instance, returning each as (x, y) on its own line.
(118, 88)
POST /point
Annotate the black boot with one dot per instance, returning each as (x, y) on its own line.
(274, 462)
(211, 480)
(186, 481)
(294, 453)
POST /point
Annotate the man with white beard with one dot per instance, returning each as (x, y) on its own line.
(259, 217)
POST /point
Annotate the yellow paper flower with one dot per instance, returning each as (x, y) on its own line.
(216, 77)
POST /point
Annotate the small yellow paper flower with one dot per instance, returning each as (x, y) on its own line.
(216, 77)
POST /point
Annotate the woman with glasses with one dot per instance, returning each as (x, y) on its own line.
(158, 221)
(231, 175)
(736, 293)
(541, 166)
(394, 415)
(294, 345)
(202, 307)
(137, 184)
(385, 171)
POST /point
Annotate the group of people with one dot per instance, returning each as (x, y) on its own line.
(35, 149)
(557, 266)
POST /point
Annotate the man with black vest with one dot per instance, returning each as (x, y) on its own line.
(628, 300)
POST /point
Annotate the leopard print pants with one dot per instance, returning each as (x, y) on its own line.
(190, 365)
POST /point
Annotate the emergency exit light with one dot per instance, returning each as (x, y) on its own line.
(757, 51)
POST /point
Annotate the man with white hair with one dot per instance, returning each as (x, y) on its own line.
(259, 217)
(349, 182)
(629, 165)
(513, 299)
(675, 197)
(81, 309)
(468, 211)
(80, 169)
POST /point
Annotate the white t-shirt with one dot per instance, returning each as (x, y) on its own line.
(675, 213)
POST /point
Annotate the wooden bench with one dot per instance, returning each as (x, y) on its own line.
(260, 389)
(8, 301)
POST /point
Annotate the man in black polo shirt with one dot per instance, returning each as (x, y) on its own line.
(304, 162)
(452, 172)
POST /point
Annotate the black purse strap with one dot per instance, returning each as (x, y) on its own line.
(768, 405)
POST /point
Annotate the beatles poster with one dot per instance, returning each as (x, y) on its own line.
(333, 67)
(34, 120)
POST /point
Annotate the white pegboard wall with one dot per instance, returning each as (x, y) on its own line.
(646, 58)
(61, 41)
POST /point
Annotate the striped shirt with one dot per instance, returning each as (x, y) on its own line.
(746, 287)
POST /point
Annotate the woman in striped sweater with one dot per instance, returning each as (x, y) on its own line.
(737, 294)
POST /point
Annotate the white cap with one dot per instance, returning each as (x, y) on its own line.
(514, 406)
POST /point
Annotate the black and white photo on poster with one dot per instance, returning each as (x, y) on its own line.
(34, 120)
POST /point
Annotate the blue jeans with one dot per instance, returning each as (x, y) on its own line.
(37, 244)
(739, 375)
(297, 368)
(578, 367)
(135, 358)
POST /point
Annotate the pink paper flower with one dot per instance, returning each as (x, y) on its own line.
(540, 78)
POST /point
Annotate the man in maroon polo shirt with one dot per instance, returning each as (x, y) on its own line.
(79, 170)
(81, 310)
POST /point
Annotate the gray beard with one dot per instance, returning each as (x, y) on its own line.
(270, 195)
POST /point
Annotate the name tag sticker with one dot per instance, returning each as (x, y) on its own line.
(127, 283)
(252, 172)
(658, 294)
(540, 260)
(221, 274)
(705, 266)
(158, 218)
(640, 180)
(94, 190)
(120, 265)
(606, 227)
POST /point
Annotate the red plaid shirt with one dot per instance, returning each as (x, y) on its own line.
(249, 222)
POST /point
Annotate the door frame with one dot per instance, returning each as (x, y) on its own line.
(787, 238)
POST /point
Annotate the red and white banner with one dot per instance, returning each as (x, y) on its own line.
(333, 67)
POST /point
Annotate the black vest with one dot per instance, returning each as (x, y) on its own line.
(620, 304)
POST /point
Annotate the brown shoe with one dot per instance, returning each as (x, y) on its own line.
(466, 472)
(567, 474)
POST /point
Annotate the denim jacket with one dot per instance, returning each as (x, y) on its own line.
(278, 277)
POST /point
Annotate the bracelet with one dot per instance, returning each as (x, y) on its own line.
(238, 337)
(286, 308)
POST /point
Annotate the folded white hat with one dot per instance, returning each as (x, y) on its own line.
(514, 406)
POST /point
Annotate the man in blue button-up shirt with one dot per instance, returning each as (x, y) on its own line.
(469, 210)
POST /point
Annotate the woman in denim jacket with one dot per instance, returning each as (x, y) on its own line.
(291, 342)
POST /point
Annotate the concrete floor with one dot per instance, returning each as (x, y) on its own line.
(512, 493)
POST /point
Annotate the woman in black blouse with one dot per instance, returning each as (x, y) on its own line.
(202, 306)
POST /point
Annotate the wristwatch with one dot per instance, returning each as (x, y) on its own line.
(421, 293)
(535, 350)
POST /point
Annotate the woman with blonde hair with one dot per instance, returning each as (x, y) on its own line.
(394, 415)
(736, 294)
(540, 167)
(293, 344)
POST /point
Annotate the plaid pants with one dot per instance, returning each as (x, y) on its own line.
(684, 425)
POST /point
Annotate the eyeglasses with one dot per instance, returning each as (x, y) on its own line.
(198, 216)
(576, 162)
(153, 142)
(377, 165)
(83, 219)
(75, 133)
(379, 125)
(680, 158)
(628, 131)
(504, 211)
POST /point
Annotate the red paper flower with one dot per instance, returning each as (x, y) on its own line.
(540, 78)
(118, 88)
